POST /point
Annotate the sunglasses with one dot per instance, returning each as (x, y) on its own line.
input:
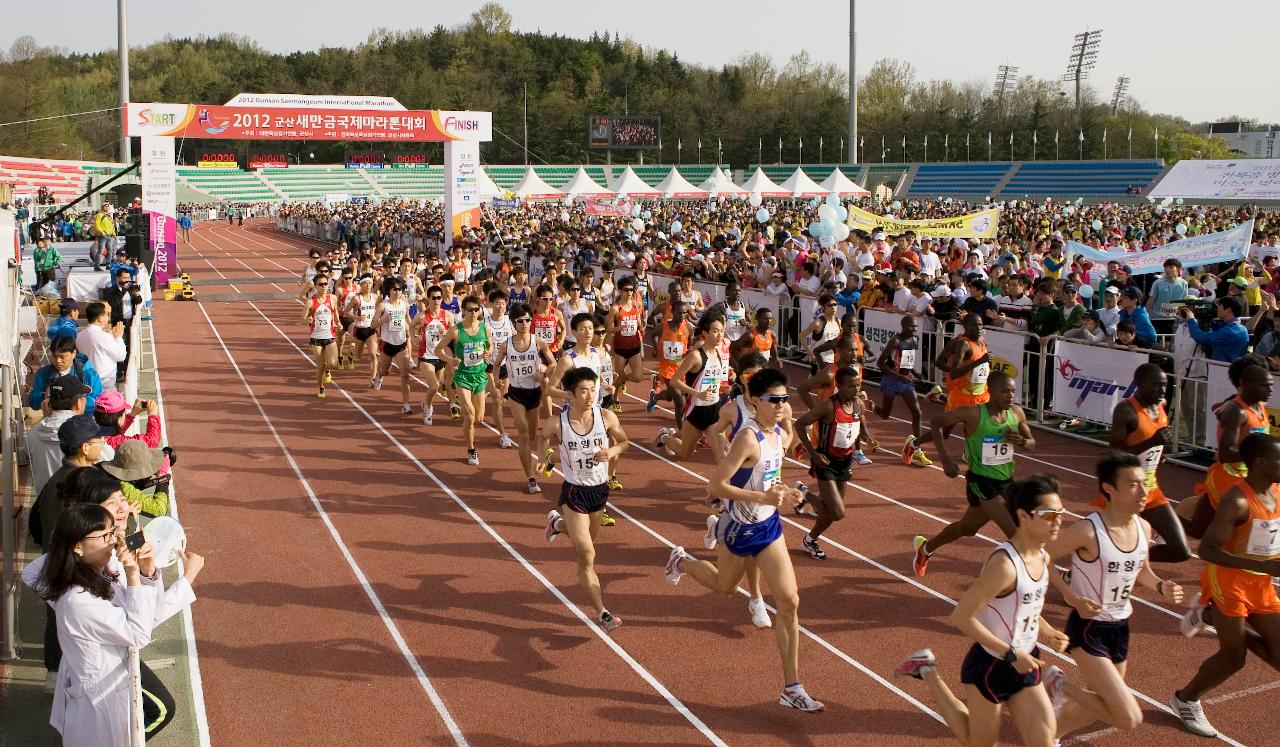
(435, 297)
(472, 309)
(1050, 514)
(546, 298)
(776, 399)
(523, 320)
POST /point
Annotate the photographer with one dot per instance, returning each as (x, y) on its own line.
(125, 299)
(1226, 339)
(113, 413)
(136, 467)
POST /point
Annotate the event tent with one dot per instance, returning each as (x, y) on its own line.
(532, 187)
(582, 185)
(764, 185)
(486, 188)
(800, 185)
(675, 185)
(629, 185)
(720, 184)
(842, 185)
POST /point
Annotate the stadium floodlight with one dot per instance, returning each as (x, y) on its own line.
(1006, 77)
(1084, 55)
(1120, 93)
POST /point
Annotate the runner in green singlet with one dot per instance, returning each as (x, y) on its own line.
(466, 349)
(995, 430)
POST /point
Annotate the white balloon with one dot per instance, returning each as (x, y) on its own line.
(828, 241)
(842, 213)
(564, 216)
(755, 199)
(1086, 291)
(1181, 228)
(841, 233)
(675, 226)
(826, 213)
(1097, 224)
(637, 224)
(762, 216)
(1178, 201)
(833, 200)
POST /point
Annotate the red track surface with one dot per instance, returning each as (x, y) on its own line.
(293, 650)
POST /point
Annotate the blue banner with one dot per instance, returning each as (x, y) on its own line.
(1225, 246)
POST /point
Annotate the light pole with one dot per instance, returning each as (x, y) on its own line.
(853, 84)
(122, 52)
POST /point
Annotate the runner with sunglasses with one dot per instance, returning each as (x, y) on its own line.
(500, 330)
(465, 349)
(363, 305)
(431, 325)
(321, 316)
(698, 378)
(392, 320)
(749, 479)
(626, 322)
(526, 359)
(1003, 667)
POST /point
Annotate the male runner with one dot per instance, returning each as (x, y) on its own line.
(625, 323)
(1001, 613)
(898, 363)
(431, 325)
(749, 478)
(672, 342)
(698, 378)
(1241, 551)
(589, 437)
(322, 316)
(500, 330)
(823, 329)
(994, 430)
(839, 420)
(525, 358)
(392, 321)
(363, 305)
(465, 349)
(759, 339)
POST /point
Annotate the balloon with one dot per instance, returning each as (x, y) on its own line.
(675, 226)
(815, 229)
(896, 205)
(630, 233)
(755, 199)
(842, 213)
(1159, 209)
(1079, 200)
(827, 213)
(827, 241)
(1151, 199)
(947, 201)
(1097, 224)
(762, 215)
(833, 200)
(637, 224)
(647, 214)
(635, 211)
(1181, 228)
(1178, 201)
(841, 233)
(564, 216)
(1086, 291)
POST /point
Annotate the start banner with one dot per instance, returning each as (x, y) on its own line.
(319, 123)
(979, 225)
(1219, 390)
(1090, 380)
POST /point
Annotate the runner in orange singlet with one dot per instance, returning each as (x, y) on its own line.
(760, 339)
(626, 324)
(967, 365)
(673, 343)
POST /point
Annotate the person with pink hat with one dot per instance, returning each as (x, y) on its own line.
(112, 411)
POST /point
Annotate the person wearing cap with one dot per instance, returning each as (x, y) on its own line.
(63, 359)
(80, 439)
(1110, 311)
(1226, 339)
(102, 342)
(113, 412)
(134, 463)
(104, 232)
(1090, 330)
(67, 322)
(1132, 310)
(1072, 310)
(66, 400)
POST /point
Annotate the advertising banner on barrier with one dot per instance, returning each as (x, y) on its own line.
(1220, 390)
(980, 225)
(1091, 380)
(1239, 179)
(1224, 246)
(206, 121)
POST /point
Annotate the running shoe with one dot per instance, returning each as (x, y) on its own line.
(921, 459)
(861, 458)
(613, 483)
(662, 433)
(1054, 679)
(473, 458)
(1193, 621)
(811, 544)
(672, 570)
(702, 441)
(759, 613)
(428, 413)
(935, 395)
(504, 441)
(549, 462)
(616, 406)
(320, 394)
(915, 664)
(553, 517)
(921, 561)
(652, 404)
(606, 520)
(328, 377)
(795, 697)
(608, 622)
(406, 409)
(1192, 715)
(709, 539)
(455, 412)
(532, 487)
(908, 450)
(376, 383)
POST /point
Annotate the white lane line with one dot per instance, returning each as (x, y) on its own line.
(188, 626)
(229, 255)
(429, 688)
(622, 653)
(1243, 693)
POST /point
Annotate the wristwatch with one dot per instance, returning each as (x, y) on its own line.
(1010, 656)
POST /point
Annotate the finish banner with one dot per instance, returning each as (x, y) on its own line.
(980, 225)
(286, 123)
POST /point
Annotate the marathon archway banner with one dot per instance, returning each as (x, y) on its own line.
(291, 123)
(979, 225)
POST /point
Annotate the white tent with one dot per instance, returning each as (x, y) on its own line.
(486, 188)
(764, 185)
(800, 185)
(842, 185)
(532, 187)
(630, 185)
(720, 184)
(678, 187)
(582, 185)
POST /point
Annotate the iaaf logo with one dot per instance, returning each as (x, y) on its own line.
(453, 123)
(156, 119)
(1089, 385)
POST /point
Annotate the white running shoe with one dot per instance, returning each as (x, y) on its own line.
(795, 697)
(1054, 679)
(662, 433)
(553, 516)
(428, 412)
(672, 571)
(915, 664)
(406, 409)
(532, 488)
(473, 458)
(504, 441)
(607, 621)
(759, 613)
(377, 383)
(1192, 715)
(709, 539)
(1192, 621)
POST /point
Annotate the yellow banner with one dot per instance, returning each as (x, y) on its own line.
(980, 225)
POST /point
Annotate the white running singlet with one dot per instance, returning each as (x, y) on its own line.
(395, 330)
(522, 365)
(1110, 578)
(1015, 617)
(760, 476)
(578, 450)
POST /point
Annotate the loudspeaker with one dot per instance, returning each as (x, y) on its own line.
(137, 241)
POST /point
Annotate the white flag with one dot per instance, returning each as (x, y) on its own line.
(699, 143)
(926, 140)
(679, 144)
(946, 140)
(1104, 134)
(1035, 136)
(1055, 137)
(988, 138)
(1010, 138)
(904, 143)
(1130, 136)
(819, 141)
(1082, 136)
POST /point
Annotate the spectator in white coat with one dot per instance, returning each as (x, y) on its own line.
(102, 342)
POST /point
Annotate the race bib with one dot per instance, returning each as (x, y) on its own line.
(629, 327)
(1264, 538)
(772, 476)
(1116, 599)
(672, 350)
(996, 451)
(1026, 631)
(472, 354)
(546, 334)
(907, 359)
(397, 319)
(980, 373)
(1150, 461)
(845, 434)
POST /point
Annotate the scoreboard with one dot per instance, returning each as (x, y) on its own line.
(414, 160)
(366, 159)
(218, 160)
(268, 159)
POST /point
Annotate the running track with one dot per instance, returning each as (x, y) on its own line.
(362, 579)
